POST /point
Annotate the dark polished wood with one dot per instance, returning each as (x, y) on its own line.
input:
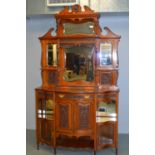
(37, 146)
(116, 151)
(67, 112)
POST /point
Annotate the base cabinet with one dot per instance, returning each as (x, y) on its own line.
(70, 120)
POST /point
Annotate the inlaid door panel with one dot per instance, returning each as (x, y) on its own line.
(83, 118)
(64, 117)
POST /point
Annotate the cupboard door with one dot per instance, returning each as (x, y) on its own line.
(44, 117)
(83, 118)
(64, 117)
(46, 130)
(106, 134)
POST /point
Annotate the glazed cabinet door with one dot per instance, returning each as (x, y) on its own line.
(46, 128)
(64, 117)
(83, 118)
(107, 120)
(106, 134)
(44, 117)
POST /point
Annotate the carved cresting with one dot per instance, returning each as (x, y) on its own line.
(76, 14)
(64, 109)
(84, 112)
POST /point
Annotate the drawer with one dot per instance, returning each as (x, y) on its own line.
(107, 95)
(49, 94)
(74, 96)
(41, 94)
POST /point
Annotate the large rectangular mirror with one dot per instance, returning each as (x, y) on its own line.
(79, 63)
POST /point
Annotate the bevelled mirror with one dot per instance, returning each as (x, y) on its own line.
(79, 63)
(52, 55)
(78, 28)
(105, 54)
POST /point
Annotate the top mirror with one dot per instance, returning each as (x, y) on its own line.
(78, 28)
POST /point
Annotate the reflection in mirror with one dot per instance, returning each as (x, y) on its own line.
(109, 107)
(82, 28)
(105, 54)
(78, 63)
(52, 54)
(46, 109)
(106, 108)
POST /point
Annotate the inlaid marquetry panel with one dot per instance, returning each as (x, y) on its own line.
(52, 77)
(83, 116)
(84, 113)
(106, 78)
(64, 116)
(64, 113)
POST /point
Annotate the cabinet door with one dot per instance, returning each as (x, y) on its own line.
(83, 118)
(46, 130)
(106, 134)
(64, 117)
(44, 117)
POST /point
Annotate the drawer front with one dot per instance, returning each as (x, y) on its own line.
(41, 94)
(44, 94)
(67, 96)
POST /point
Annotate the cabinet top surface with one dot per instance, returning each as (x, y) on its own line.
(81, 90)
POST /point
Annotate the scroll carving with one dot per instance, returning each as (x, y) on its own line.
(48, 34)
(110, 33)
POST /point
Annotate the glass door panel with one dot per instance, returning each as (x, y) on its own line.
(106, 133)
